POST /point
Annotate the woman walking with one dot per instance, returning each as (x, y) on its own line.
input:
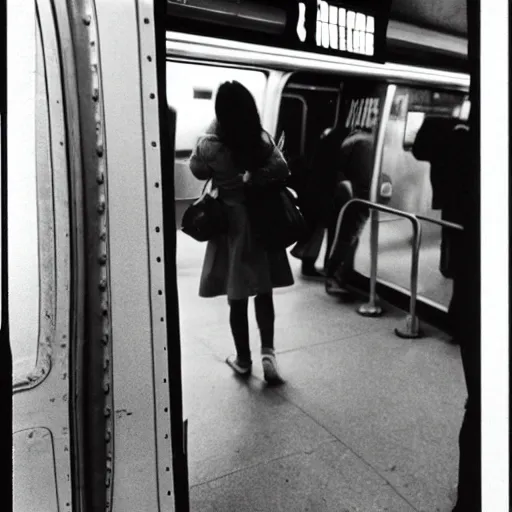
(235, 153)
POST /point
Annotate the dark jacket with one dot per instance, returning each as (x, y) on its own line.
(335, 160)
(356, 162)
(317, 181)
(458, 204)
(430, 146)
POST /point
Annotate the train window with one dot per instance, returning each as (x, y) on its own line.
(26, 81)
(292, 121)
(324, 104)
(413, 191)
(423, 103)
(191, 92)
(319, 95)
(410, 177)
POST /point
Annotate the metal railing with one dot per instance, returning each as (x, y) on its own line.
(443, 223)
(411, 328)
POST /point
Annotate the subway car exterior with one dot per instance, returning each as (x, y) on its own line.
(94, 187)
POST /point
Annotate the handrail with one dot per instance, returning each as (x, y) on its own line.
(443, 223)
(411, 328)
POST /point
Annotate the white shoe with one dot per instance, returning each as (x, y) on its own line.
(232, 361)
(270, 371)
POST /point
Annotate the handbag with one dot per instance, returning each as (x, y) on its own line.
(206, 218)
(274, 216)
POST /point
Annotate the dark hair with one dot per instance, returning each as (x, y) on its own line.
(240, 125)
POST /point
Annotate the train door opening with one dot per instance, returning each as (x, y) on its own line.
(310, 106)
(205, 335)
(234, 426)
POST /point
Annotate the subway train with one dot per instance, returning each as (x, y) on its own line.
(105, 105)
(302, 101)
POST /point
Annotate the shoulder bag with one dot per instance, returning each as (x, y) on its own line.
(275, 218)
(206, 218)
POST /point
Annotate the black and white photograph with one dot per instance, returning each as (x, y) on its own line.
(254, 255)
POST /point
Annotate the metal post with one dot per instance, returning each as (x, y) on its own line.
(411, 328)
(379, 142)
(442, 223)
(371, 308)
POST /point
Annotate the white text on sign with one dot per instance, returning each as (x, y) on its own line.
(363, 113)
(340, 29)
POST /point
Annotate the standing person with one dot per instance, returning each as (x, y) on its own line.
(438, 142)
(464, 312)
(446, 144)
(315, 189)
(235, 152)
(428, 146)
(355, 170)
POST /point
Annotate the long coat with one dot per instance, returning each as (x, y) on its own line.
(235, 264)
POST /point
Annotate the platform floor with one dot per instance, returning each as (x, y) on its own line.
(365, 422)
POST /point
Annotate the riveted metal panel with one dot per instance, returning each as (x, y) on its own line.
(44, 403)
(96, 353)
(155, 206)
(22, 191)
(140, 401)
(35, 486)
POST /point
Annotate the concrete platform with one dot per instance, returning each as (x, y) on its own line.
(365, 422)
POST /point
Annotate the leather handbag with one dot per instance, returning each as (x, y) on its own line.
(206, 218)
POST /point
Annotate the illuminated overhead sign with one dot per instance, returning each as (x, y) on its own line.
(338, 28)
(350, 31)
(355, 29)
(349, 28)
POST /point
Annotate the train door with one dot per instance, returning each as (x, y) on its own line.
(39, 253)
(91, 313)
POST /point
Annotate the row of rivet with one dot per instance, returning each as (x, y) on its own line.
(101, 209)
(152, 96)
